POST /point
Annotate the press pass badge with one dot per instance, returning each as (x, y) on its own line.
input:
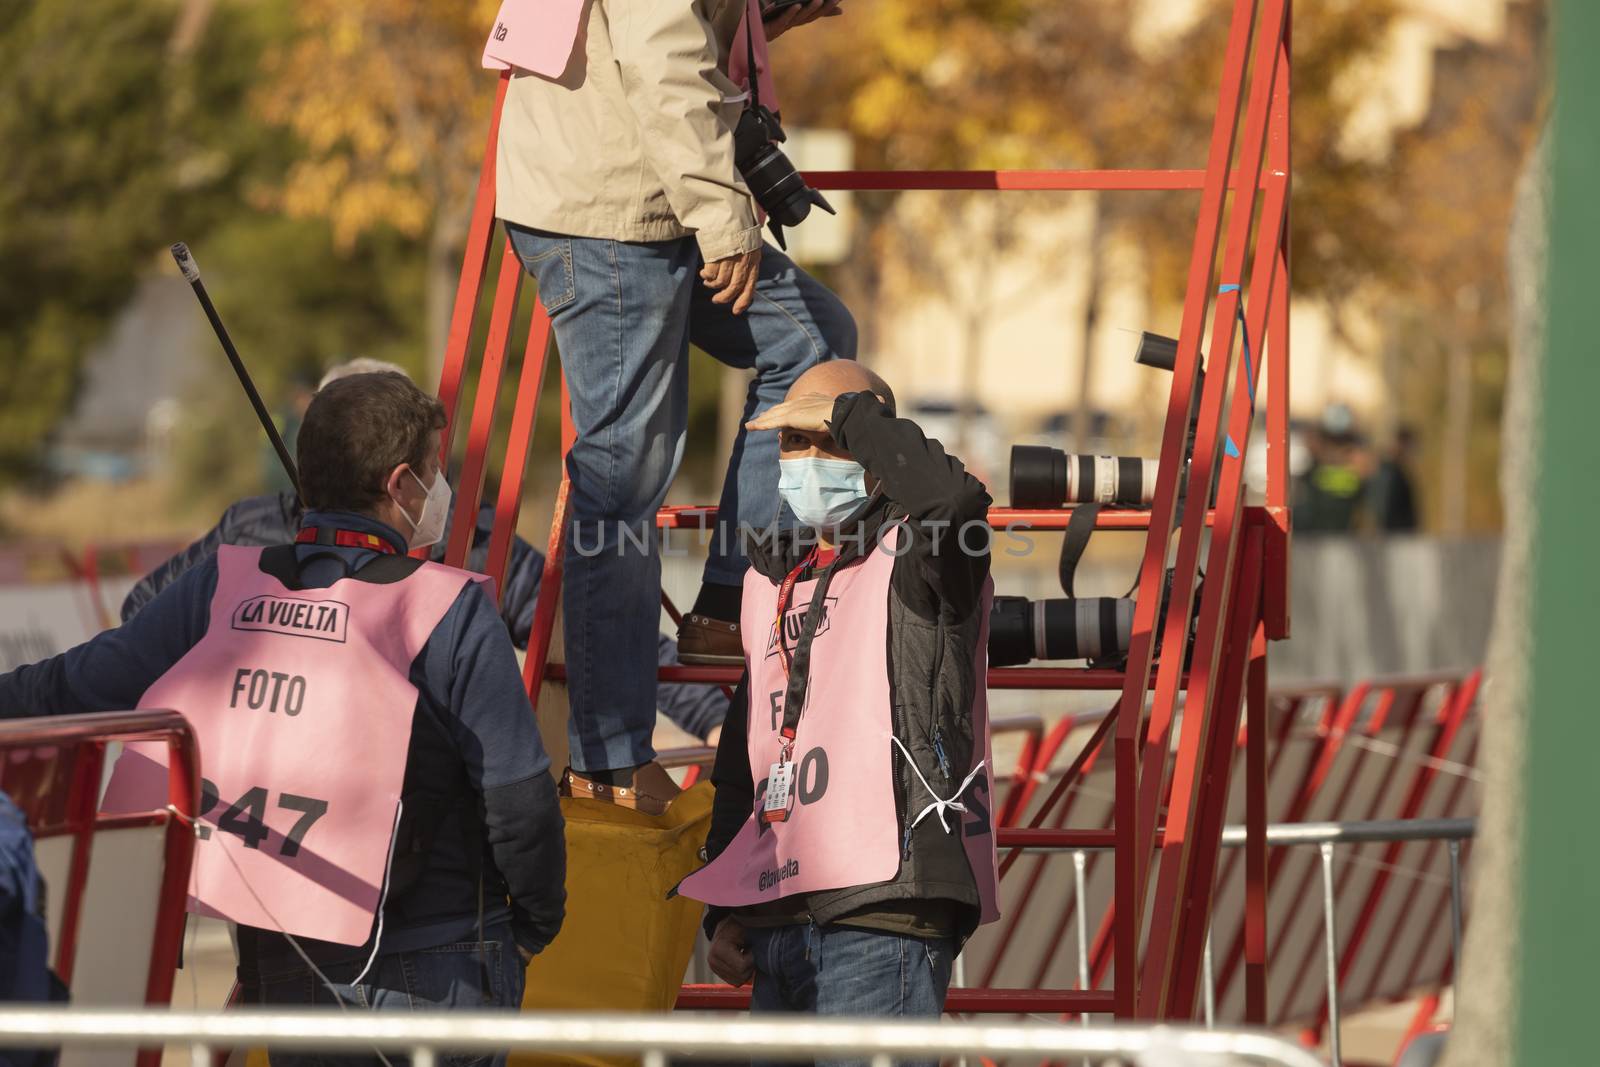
(780, 782)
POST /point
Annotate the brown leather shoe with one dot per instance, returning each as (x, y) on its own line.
(651, 792)
(710, 642)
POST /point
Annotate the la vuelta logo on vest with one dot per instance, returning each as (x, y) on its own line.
(320, 620)
(794, 620)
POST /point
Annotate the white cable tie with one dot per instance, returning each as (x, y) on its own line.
(383, 897)
(327, 983)
(939, 805)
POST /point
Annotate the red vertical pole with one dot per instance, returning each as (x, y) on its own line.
(81, 809)
(1135, 827)
(535, 357)
(1277, 353)
(480, 233)
(1278, 325)
(469, 487)
(1199, 720)
(1194, 909)
(1255, 842)
(183, 789)
(544, 611)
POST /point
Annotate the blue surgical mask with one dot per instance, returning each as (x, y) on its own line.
(822, 493)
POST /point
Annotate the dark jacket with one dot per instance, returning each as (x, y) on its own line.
(272, 519)
(934, 623)
(478, 796)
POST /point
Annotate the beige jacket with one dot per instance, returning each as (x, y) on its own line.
(634, 142)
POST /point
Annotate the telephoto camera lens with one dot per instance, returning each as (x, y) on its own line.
(1088, 628)
(1043, 477)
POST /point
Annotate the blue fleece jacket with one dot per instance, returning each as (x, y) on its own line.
(272, 519)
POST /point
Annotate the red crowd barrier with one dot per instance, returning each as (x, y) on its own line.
(53, 768)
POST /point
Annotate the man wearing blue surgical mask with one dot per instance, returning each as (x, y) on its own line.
(851, 817)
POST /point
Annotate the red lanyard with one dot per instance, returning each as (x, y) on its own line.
(316, 535)
(785, 591)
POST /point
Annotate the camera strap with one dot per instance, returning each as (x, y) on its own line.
(794, 697)
(1079, 529)
(750, 44)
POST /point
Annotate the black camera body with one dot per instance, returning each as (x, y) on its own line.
(773, 180)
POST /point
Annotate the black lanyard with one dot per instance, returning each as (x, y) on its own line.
(798, 666)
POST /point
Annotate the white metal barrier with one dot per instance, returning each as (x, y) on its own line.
(1324, 835)
(655, 1038)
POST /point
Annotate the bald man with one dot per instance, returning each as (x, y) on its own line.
(852, 852)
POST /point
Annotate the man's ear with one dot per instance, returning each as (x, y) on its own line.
(394, 486)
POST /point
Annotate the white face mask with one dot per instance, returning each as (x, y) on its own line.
(428, 528)
(822, 493)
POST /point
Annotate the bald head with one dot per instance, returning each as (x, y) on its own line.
(841, 376)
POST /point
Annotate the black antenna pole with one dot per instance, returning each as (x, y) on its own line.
(191, 273)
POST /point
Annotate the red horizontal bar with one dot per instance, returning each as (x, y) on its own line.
(98, 726)
(1079, 679)
(1057, 519)
(959, 1001)
(1009, 180)
(1057, 839)
(701, 518)
(103, 822)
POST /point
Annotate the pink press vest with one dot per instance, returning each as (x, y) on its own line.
(843, 829)
(301, 701)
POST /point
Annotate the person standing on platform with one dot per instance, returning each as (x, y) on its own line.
(377, 812)
(617, 181)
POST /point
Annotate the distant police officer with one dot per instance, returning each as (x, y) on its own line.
(374, 782)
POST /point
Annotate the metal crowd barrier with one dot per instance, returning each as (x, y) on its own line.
(657, 1039)
(1324, 835)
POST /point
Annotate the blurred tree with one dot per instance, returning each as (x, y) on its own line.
(295, 305)
(933, 84)
(111, 115)
(1449, 308)
(390, 106)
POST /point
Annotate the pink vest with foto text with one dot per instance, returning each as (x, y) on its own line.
(301, 701)
(843, 829)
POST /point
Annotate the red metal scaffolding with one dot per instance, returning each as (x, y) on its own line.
(1167, 824)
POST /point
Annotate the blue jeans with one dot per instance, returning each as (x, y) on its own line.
(624, 315)
(449, 976)
(841, 970)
